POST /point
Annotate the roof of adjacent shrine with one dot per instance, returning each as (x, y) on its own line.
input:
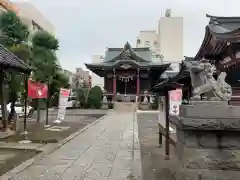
(9, 61)
(218, 34)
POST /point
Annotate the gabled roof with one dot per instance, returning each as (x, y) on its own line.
(219, 32)
(9, 61)
(137, 54)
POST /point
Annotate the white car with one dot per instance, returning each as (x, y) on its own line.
(19, 108)
(71, 103)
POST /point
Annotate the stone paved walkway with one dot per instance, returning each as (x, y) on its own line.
(104, 151)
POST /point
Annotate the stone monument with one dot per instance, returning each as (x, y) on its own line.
(208, 130)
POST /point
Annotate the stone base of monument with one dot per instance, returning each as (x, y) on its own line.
(208, 141)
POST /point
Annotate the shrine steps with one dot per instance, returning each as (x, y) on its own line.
(124, 106)
(235, 100)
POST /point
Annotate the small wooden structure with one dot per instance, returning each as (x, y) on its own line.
(163, 88)
(11, 63)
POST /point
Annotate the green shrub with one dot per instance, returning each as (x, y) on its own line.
(80, 97)
(86, 105)
(95, 97)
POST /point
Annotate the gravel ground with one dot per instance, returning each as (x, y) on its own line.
(154, 166)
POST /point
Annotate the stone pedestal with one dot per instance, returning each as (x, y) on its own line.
(208, 141)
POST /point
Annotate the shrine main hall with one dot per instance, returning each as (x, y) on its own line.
(128, 72)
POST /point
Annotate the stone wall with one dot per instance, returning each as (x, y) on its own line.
(208, 142)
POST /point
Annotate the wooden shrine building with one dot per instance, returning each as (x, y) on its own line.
(128, 72)
(221, 46)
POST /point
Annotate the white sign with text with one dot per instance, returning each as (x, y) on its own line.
(175, 100)
(63, 100)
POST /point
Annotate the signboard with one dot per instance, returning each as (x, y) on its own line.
(63, 99)
(175, 100)
(37, 90)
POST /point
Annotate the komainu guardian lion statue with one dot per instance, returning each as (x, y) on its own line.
(204, 83)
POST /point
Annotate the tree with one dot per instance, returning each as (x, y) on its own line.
(14, 36)
(44, 47)
(80, 96)
(59, 81)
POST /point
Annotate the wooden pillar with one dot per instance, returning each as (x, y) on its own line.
(25, 102)
(167, 138)
(114, 85)
(138, 85)
(3, 102)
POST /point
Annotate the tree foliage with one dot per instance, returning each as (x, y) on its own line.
(15, 38)
(13, 30)
(39, 51)
(46, 40)
(44, 46)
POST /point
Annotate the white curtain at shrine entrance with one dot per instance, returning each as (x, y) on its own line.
(126, 84)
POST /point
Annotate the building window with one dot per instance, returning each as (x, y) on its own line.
(147, 44)
(36, 26)
(138, 41)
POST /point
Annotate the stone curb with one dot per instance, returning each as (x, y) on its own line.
(48, 149)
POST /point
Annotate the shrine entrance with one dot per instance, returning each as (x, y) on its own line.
(126, 85)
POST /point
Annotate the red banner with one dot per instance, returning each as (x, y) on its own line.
(37, 90)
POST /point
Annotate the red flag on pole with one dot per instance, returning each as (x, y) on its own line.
(37, 90)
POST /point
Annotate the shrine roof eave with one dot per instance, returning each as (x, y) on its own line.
(183, 73)
(115, 65)
(165, 86)
(221, 30)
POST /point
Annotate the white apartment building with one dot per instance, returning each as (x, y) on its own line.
(170, 38)
(96, 80)
(150, 39)
(33, 18)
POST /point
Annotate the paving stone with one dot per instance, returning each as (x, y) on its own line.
(104, 151)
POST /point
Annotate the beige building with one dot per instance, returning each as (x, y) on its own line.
(97, 58)
(33, 18)
(29, 15)
(150, 39)
(170, 38)
(79, 77)
(96, 80)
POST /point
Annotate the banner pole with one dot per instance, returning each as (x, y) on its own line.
(47, 104)
(25, 132)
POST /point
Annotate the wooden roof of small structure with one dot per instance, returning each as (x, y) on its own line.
(10, 61)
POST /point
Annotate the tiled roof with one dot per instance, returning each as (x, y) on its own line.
(142, 54)
(9, 60)
(223, 29)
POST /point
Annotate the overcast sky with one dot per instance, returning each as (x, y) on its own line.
(87, 27)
